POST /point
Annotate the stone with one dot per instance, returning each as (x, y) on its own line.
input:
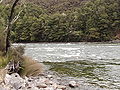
(49, 88)
(32, 88)
(61, 87)
(7, 79)
(42, 86)
(54, 85)
(73, 84)
(48, 82)
(58, 89)
(49, 76)
(3, 73)
(58, 78)
(14, 80)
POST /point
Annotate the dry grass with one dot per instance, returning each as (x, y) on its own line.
(27, 67)
(31, 67)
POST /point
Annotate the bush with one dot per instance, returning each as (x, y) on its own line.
(17, 63)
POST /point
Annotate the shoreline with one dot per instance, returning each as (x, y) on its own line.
(46, 81)
(107, 42)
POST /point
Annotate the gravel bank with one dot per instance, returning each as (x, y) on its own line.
(46, 81)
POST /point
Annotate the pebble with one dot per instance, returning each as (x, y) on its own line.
(42, 86)
(54, 85)
(73, 84)
(58, 78)
(58, 89)
(61, 87)
(49, 76)
(48, 82)
(15, 82)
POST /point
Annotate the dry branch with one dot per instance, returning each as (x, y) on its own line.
(1, 1)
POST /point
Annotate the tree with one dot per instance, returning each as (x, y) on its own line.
(8, 28)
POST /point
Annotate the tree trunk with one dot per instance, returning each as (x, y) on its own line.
(8, 29)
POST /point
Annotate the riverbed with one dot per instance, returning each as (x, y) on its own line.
(91, 64)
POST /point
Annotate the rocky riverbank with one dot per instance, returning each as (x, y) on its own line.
(46, 81)
(42, 82)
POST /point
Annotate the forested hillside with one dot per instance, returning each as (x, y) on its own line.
(58, 5)
(65, 21)
(53, 6)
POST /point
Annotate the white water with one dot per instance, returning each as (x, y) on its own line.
(101, 60)
(60, 52)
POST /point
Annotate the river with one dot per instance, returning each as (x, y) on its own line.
(93, 64)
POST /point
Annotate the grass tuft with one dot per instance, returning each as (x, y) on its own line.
(3, 62)
(27, 66)
(31, 67)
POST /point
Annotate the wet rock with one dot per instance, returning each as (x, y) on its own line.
(73, 84)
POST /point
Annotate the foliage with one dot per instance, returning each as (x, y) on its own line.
(13, 60)
(93, 20)
(53, 6)
(3, 62)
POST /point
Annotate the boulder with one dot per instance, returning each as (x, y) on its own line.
(15, 80)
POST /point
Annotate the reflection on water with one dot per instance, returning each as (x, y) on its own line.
(98, 64)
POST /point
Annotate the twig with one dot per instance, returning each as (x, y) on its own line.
(1, 1)
(16, 17)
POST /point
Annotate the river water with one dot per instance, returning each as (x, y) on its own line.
(94, 64)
